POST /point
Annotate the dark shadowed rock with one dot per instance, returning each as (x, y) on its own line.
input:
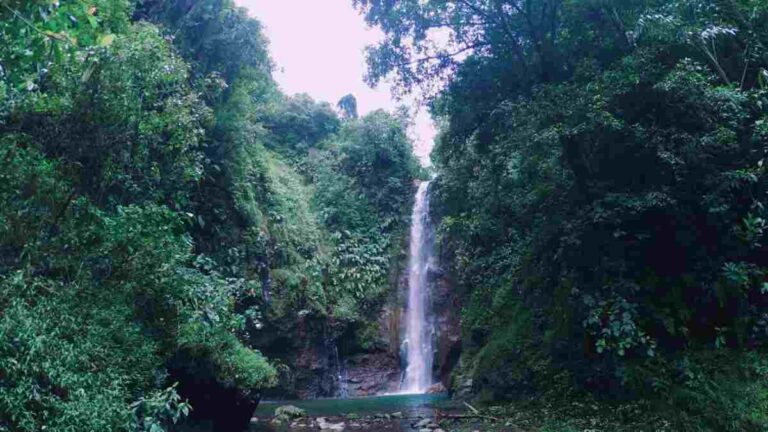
(446, 307)
(225, 407)
(372, 373)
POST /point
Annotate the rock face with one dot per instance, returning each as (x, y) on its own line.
(376, 370)
(316, 371)
(318, 358)
(307, 355)
(447, 309)
(317, 365)
(369, 374)
(463, 388)
(436, 388)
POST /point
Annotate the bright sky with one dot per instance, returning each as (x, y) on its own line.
(318, 46)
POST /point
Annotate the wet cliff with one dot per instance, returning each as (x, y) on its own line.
(322, 357)
(319, 357)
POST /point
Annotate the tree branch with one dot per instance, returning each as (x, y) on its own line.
(31, 25)
(441, 56)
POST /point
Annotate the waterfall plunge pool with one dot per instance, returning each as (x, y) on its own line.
(416, 404)
(411, 406)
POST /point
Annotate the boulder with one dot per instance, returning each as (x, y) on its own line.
(289, 411)
(222, 405)
(325, 425)
(464, 388)
(436, 388)
(372, 373)
(422, 424)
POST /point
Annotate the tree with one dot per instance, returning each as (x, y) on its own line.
(600, 166)
(348, 107)
(379, 155)
(298, 123)
(426, 41)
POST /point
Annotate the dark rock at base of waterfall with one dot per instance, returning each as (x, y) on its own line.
(372, 373)
(306, 353)
(323, 361)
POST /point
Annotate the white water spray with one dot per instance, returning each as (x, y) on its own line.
(418, 331)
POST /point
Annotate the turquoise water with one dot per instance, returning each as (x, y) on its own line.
(364, 411)
(409, 405)
(412, 408)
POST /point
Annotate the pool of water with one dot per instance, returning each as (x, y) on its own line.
(410, 405)
(366, 414)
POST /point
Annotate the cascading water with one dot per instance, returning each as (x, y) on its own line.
(418, 329)
(341, 375)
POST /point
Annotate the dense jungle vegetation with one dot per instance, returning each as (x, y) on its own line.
(162, 202)
(602, 196)
(600, 192)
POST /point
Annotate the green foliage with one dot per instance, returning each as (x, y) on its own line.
(300, 248)
(334, 247)
(100, 286)
(215, 36)
(298, 123)
(709, 390)
(160, 408)
(600, 166)
(142, 89)
(73, 358)
(292, 214)
(348, 107)
(162, 199)
(39, 36)
(235, 365)
(289, 412)
(124, 116)
(379, 156)
(94, 305)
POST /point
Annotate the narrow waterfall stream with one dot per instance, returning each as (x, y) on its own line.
(418, 329)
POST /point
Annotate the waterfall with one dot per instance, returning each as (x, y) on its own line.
(341, 374)
(418, 328)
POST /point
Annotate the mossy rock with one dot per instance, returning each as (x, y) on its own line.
(286, 413)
